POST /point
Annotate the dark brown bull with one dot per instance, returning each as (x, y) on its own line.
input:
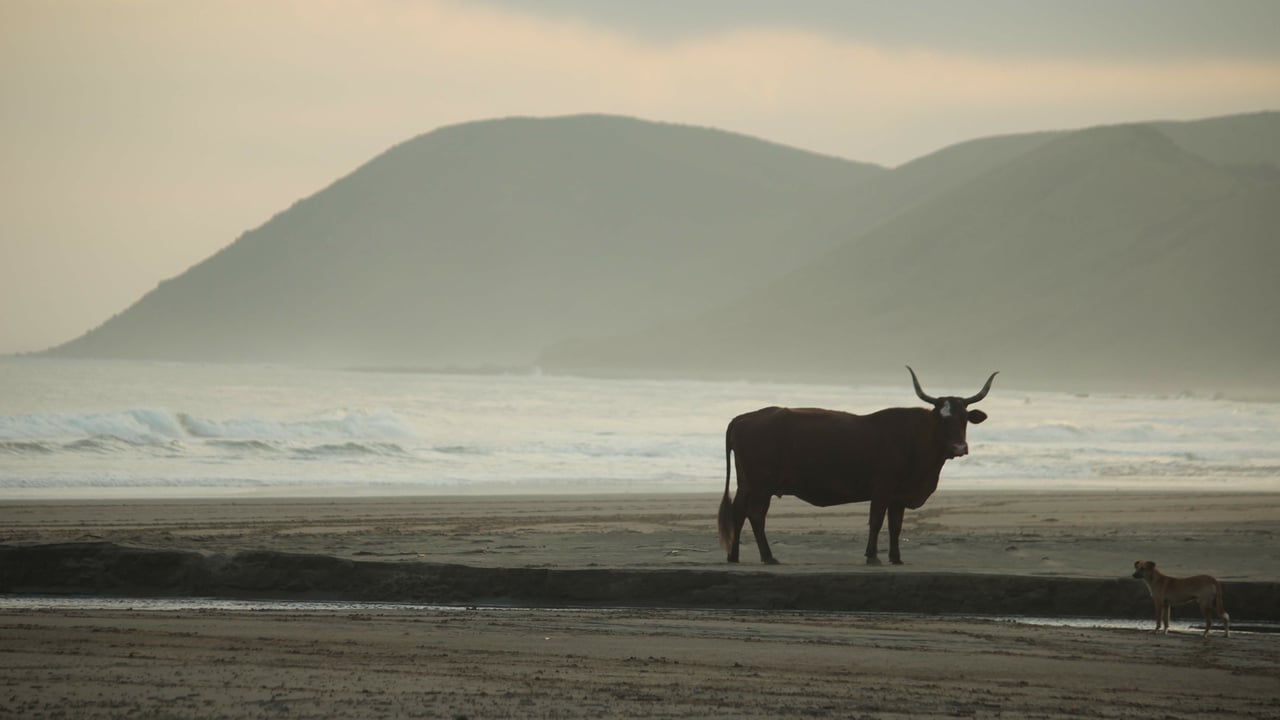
(826, 457)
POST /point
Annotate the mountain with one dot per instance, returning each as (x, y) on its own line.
(1106, 258)
(480, 244)
(1131, 257)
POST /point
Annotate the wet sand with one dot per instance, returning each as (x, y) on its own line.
(1230, 535)
(621, 664)
(683, 662)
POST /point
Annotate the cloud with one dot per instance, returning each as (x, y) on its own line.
(417, 65)
(281, 72)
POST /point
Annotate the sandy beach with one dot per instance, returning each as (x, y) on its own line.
(708, 654)
(1230, 535)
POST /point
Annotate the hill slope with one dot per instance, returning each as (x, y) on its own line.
(1104, 258)
(479, 244)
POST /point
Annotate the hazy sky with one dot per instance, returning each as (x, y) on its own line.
(137, 137)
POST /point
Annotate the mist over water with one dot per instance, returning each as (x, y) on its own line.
(131, 429)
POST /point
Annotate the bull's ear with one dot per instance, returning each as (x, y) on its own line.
(977, 416)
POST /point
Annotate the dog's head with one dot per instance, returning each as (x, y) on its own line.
(1142, 569)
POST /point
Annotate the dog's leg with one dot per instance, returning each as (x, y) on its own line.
(1165, 611)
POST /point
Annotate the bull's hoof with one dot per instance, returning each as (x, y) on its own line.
(770, 561)
(897, 562)
(732, 559)
(873, 560)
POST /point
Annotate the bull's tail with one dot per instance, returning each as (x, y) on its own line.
(725, 519)
(1220, 606)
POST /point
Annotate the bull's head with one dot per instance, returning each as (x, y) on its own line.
(954, 415)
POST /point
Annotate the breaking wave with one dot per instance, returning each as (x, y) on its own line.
(266, 430)
(94, 431)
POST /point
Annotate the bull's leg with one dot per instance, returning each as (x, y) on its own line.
(895, 529)
(873, 531)
(757, 509)
(739, 517)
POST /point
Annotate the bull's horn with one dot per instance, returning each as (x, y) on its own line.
(920, 393)
(983, 392)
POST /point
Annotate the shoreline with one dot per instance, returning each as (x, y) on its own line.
(107, 569)
(1137, 485)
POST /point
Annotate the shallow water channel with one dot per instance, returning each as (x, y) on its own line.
(159, 605)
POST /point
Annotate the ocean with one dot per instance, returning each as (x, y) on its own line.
(98, 429)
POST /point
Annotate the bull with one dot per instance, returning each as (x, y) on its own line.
(891, 458)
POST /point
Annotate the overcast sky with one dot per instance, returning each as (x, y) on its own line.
(138, 137)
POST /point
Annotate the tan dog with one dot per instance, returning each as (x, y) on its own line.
(1169, 591)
